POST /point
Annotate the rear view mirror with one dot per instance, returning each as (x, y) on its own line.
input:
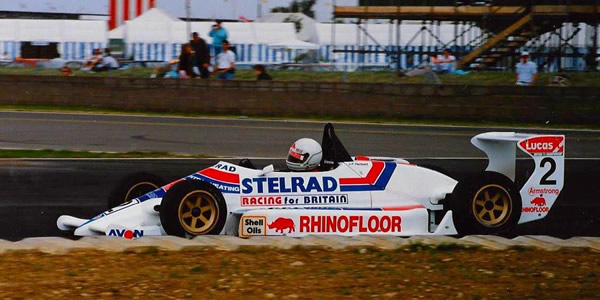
(266, 170)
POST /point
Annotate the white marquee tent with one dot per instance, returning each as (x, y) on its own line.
(157, 36)
(75, 38)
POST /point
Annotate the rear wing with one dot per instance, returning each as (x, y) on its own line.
(542, 188)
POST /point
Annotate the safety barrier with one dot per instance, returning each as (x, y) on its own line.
(554, 105)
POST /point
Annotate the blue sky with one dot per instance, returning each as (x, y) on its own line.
(209, 9)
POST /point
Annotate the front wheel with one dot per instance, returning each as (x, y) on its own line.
(133, 186)
(487, 204)
(191, 208)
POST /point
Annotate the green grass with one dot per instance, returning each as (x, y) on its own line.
(483, 78)
(46, 153)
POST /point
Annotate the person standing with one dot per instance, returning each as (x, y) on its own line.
(185, 68)
(226, 62)
(526, 70)
(218, 34)
(201, 54)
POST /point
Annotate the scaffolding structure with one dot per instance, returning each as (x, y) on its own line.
(558, 34)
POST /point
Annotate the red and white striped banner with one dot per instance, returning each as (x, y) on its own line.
(119, 11)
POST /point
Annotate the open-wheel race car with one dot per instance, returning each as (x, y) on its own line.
(345, 196)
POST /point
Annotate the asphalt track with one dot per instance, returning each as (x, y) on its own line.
(36, 192)
(247, 137)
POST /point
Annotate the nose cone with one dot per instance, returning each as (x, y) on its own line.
(84, 230)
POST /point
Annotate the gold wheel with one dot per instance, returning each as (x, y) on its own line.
(492, 205)
(198, 212)
(137, 186)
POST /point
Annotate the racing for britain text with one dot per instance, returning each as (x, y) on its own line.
(279, 200)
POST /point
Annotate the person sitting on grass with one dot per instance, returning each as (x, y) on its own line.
(164, 70)
(4, 57)
(448, 62)
(66, 71)
(226, 63)
(93, 60)
(445, 63)
(107, 63)
(185, 68)
(261, 73)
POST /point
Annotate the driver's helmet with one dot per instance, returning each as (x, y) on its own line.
(304, 155)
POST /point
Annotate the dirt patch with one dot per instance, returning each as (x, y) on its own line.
(416, 272)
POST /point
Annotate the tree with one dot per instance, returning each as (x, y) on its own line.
(296, 20)
(301, 6)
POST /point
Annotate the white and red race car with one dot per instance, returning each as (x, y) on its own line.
(347, 196)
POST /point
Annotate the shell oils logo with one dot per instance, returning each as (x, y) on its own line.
(127, 234)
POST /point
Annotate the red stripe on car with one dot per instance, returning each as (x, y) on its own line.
(406, 207)
(220, 175)
(371, 177)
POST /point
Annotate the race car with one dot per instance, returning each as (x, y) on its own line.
(345, 196)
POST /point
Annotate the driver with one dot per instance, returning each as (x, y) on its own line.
(304, 155)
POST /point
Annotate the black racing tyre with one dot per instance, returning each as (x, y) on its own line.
(133, 186)
(486, 204)
(191, 208)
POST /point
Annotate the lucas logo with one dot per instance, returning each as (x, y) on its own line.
(543, 144)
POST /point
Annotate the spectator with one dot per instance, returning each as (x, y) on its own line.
(165, 69)
(448, 62)
(108, 62)
(4, 56)
(526, 70)
(186, 62)
(559, 80)
(93, 60)
(218, 34)
(226, 63)
(261, 73)
(435, 62)
(201, 54)
(445, 63)
(66, 71)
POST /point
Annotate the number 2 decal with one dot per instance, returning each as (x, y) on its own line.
(544, 180)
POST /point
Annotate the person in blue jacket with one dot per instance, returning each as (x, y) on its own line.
(218, 34)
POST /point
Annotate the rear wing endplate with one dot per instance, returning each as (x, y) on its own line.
(542, 188)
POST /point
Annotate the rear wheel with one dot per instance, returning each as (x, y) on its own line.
(134, 186)
(192, 208)
(487, 204)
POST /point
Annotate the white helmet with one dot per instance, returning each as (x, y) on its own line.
(304, 155)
